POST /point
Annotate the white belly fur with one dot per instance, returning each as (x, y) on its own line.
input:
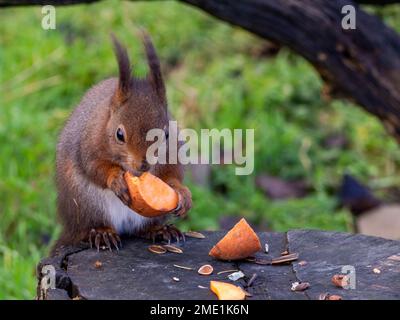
(123, 219)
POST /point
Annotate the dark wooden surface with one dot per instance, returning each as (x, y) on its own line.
(136, 273)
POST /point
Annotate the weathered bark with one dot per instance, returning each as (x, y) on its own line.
(135, 273)
(361, 64)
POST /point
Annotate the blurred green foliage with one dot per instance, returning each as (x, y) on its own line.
(216, 78)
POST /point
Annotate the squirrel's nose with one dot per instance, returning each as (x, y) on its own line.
(145, 166)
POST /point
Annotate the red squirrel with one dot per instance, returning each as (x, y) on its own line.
(104, 137)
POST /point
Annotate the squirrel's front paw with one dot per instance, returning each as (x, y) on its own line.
(120, 188)
(185, 201)
(104, 236)
(166, 232)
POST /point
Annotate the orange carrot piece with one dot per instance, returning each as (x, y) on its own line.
(151, 197)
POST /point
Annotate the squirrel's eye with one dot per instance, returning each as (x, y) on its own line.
(119, 134)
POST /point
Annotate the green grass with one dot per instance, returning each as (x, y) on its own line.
(213, 80)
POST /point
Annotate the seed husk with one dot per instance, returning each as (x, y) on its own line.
(201, 287)
(226, 271)
(340, 280)
(250, 259)
(252, 279)
(205, 270)
(194, 234)
(262, 261)
(172, 248)
(176, 279)
(286, 258)
(334, 297)
(182, 267)
(323, 296)
(266, 248)
(300, 286)
(282, 259)
(376, 270)
(394, 257)
(157, 249)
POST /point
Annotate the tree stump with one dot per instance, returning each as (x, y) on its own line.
(136, 273)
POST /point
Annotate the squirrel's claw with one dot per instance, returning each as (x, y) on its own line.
(167, 237)
(115, 239)
(118, 185)
(165, 232)
(175, 234)
(92, 234)
(185, 202)
(107, 241)
(104, 237)
(97, 240)
(179, 207)
(125, 197)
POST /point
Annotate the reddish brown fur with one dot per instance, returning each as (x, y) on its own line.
(89, 157)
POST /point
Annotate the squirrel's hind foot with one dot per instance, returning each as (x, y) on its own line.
(165, 232)
(104, 237)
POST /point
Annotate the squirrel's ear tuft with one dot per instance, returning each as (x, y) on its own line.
(154, 76)
(125, 79)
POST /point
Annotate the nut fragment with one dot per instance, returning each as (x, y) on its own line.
(334, 297)
(176, 279)
(205, 270)
(340, 280)
(98, 264)
(157, 249)
(297, 286)
(194, 234)
(323, 296)
(328, 296)
(302, 263)
(376, 270)
(266, 248)
(236, 276)
(173, 249)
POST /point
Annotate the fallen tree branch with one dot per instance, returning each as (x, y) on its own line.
(361, 64)
(378, 2)
(14, 3)
(9, 3)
